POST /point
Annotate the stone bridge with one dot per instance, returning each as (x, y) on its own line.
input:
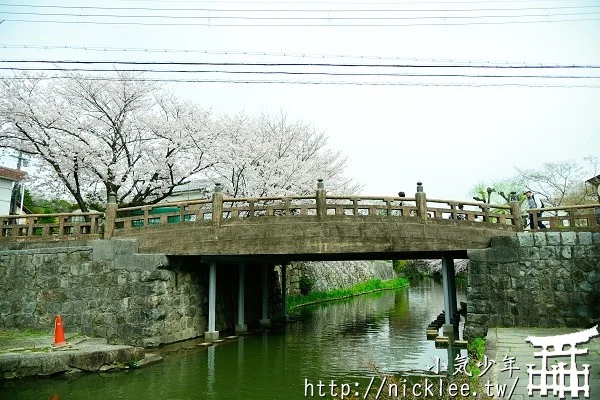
(319, 226)
(315, 227)
(276, 230)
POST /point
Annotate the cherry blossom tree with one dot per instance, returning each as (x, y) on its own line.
(90, 136)
(266, 155)
(99, 135)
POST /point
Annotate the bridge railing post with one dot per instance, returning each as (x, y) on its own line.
(110, 215)
(217, 205)
(321, 199)
(421, 200)
(515, 210)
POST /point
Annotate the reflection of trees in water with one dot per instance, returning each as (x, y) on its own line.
(353, 316)
(340, 334)
(425, 299)
(401, 305)
(330, 342)
(387, 328)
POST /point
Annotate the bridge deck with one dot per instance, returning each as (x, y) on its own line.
(335, 236)
(317, 226)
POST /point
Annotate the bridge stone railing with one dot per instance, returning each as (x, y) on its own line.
(573, 217)
(51, 226)
(131, 218)
(220, 209)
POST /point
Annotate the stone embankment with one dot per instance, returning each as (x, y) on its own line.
(106, 288)
(102, 289)
(37, 358)
(544, 279)
(332, 275)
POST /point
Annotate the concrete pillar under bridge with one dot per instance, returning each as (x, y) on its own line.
(450, 328)
(284, 291)
(265, 321)
(212, 333)
(241, 326)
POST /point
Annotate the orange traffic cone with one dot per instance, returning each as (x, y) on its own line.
(59, 333)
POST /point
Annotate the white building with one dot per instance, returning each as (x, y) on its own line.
(194, 190)
(8, 178)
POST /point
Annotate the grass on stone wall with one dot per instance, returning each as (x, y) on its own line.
(372, 285)
(22, 333)
(476, 351)
(477, 348)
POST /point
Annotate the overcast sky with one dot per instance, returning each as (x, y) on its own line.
(450, 137)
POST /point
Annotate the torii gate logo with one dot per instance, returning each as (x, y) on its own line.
(557, 373)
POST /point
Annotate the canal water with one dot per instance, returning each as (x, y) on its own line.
(348, 341)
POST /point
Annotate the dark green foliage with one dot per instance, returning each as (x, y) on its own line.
(39, 205)
(306, 285)
(28, 200)
(414, 269)
(399, 266)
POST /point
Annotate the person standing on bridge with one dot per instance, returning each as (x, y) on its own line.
(403, 203)
(401, 195)
(532, 203)
(461, 216)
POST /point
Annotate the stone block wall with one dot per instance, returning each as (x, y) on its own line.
(104, 288)
(336, 274)
(546, 279)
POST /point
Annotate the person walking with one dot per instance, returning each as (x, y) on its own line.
(461, 216)
(532, 203)
(401, 194)
(458, 216)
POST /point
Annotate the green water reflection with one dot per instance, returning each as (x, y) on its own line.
(344, 341)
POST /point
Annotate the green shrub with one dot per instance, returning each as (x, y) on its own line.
(399, 266)
(409, 268)
(371, 285)
(306, 285)
(476, 351)
(476, 348)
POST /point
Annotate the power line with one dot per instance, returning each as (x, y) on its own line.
(310, 73)
(246, 53)
(222, 10)
(338, 2)
(297, 64)
(280, 18)
(312, 82)
(211, 25)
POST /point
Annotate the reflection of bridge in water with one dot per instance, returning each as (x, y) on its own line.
(277, 230)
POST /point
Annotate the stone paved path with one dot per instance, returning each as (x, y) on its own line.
(511, 342)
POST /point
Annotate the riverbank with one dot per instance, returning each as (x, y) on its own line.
(370, 286)
(30, 354)
(333, 341)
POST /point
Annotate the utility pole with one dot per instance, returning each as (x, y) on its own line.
(19, 188)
